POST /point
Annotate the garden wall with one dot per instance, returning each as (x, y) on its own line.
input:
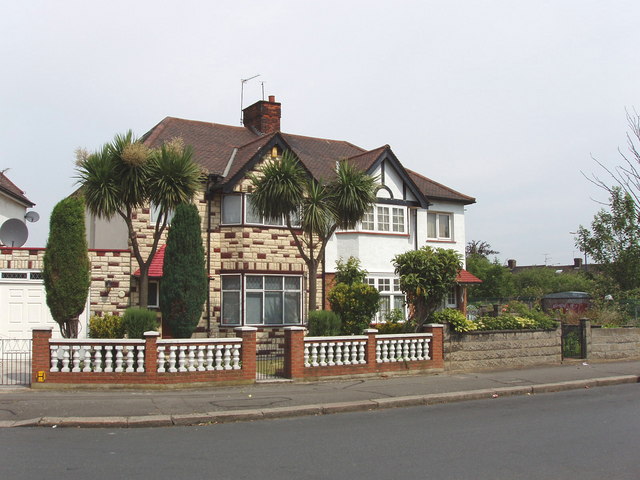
(501, 349)
(613, 343)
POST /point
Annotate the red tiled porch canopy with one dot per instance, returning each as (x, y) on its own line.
(155, 269)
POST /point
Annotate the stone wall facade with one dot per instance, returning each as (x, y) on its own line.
(110, 281)
(501, 349)
(613, 343)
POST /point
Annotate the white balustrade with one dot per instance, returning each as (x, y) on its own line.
(179, 356)
(96, 356)
(404, 348)
(337, 351)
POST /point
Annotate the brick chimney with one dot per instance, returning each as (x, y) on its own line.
(262, 117)
(511, 264)
(577, 263)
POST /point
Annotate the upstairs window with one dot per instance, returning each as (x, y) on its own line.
(154, 213)
(383, 218)
(439, 226)
(232, 208)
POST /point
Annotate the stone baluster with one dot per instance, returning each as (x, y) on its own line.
(314, 355)
(97, 359)
(385, 351)
(108, 360)
(236, 356)
(378, 352)
(331, 353)
(200, 360)
(65, 359)
(130, 358)
(361, 352)
(87, 359)
(405, 349)
(161, 359)
(419, 350)
(119, 358)
(210, 365)
(75, 352)
(306, 355)
(412, 350)
(182, 359)
(191, 363)
(339, 354)
(227, 357)
(219, 357)
(392, 351)
(346, 354)
(323, 354)
(427, 346)
(354, 353)
(173, 358)
(140, 367)
(53, 349)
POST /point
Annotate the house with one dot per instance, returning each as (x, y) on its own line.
(256, 274)
(22, 295)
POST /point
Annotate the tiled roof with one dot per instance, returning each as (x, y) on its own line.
(10, 188)
(466, 277)
(436, 191)
(155, 269)
(226, 150)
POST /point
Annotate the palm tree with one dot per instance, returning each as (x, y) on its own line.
(312, 209)
(126, 175)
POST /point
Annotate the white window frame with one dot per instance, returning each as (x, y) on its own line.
(438, 217)
(239, 206)
(390, 295)
(382, 218)
(244, 290)
(245, 211)
(237, 292)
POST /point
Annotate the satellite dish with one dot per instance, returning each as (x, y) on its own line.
(32, 216)
(14, 233)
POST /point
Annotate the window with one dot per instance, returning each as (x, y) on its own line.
(153, 294)
(382, 218)
(391, 297)
(452, 298)
(439, 226)
(232, 209)
(231, 289)
(268, 299)
(154, 213)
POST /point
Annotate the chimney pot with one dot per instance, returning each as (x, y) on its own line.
(272, 99)
(577, 262)
(511, 263)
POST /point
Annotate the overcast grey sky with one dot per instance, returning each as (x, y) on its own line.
(505, 101)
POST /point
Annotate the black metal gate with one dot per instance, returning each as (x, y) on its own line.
(269, 358)
(15, 361)
(573, 341)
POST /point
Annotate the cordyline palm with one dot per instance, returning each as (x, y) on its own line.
(317, 208)
(125, 175)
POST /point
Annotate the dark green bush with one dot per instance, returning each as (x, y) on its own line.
(323, 323)
(456, 319)
(107, 326)
(356, 304)
(136, 321)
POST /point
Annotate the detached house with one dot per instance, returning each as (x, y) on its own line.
(256, 275)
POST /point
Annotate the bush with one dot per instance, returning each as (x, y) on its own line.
(107, 326)
(514, 322)
(394, 322)
(456, 319)
(323, 323)
(356, 305)
(136, 321)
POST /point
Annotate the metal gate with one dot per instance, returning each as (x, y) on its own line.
(573, 341)
(15, 361)
(269, 358)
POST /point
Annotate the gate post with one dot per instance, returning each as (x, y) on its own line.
(40, 354)
(248, 350)
(585, 336)
(294, 352)
(436, 352)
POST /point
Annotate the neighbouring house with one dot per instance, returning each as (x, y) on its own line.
(22, 297)
(256, 275)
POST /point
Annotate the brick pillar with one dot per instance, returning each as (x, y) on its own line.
(371, 348)
(436, 351)
(248, 350)
(151, 353)
(294, 352)
(40, 353)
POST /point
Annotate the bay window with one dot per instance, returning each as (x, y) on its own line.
(383, 218)
(391, 297)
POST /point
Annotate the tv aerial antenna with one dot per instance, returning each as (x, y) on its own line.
(242, 82)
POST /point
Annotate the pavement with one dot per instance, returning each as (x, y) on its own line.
(25, 407)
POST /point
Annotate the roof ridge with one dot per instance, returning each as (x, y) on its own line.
(326, 139)
(368, 152)
(439, 184)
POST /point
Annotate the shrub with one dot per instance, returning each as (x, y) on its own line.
(136, 321)
(356, 305)
(456, 319)
(323, 323)
(394, 322)
(107, 326)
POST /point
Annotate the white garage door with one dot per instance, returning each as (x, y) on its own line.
(23, 305)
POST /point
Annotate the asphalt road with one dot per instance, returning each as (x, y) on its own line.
(585, 434)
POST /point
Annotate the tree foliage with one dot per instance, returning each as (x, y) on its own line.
(613, 242)
(426, 276)
(497, 280)
(536, 282)
(353, 300)
(125, 175)
(313, 209)
(183, 289)
(480, 248)
(66, 270)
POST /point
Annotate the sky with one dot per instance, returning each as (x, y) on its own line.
(506, 101)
